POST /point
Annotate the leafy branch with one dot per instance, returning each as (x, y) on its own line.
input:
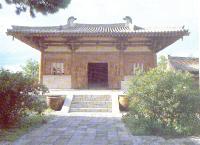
(41, 6)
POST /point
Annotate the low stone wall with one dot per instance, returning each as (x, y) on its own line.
(57, 81)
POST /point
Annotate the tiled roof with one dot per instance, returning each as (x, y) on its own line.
(155, 38)
(97, 29)
(189, 64)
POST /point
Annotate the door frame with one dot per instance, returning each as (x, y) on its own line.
(107, 79)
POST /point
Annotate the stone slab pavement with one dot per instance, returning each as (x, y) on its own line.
(92, 129)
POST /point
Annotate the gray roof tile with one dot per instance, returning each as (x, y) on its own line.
(77, 28)
(185, 63)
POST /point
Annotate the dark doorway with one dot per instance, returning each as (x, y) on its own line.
(97, 75)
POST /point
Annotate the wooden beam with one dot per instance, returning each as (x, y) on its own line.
(159, 43)
(166, 42)
(70, 39)
(95, 41)
(103, 45)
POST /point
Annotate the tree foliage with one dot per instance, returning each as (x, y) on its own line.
(31, 69)
(163, 102)
(18, 95)
(162, 62)
(41, 6)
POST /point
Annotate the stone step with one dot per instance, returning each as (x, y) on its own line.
(92, 98)
(91, 104)
(90, 110)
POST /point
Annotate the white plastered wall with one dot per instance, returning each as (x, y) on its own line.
(57, 81)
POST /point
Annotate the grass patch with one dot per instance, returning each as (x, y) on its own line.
(27, 124)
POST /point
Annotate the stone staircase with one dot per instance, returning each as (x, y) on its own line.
(91, 103)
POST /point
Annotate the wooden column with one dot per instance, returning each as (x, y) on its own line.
(153, 48)
(41, 66)
(155, 59)
(73, 76)
(73, 69)
(121, 64)
(121, 49)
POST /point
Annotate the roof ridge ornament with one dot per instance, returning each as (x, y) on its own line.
(70, 21)
(128, 20)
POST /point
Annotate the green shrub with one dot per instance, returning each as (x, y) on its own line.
(163, 103)
(18, 95)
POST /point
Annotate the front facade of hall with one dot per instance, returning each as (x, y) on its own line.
(82, 56)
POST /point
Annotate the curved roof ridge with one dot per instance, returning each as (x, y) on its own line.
(97, 24)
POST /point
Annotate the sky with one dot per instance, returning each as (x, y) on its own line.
(144, 13)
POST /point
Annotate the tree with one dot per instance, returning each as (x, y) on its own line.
(18, 97)
(162, 63)
(31, 69)
(41, 6)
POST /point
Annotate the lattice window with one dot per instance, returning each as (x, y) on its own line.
(57, 68)
(138, 66)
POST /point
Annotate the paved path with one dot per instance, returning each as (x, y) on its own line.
(92, 130)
